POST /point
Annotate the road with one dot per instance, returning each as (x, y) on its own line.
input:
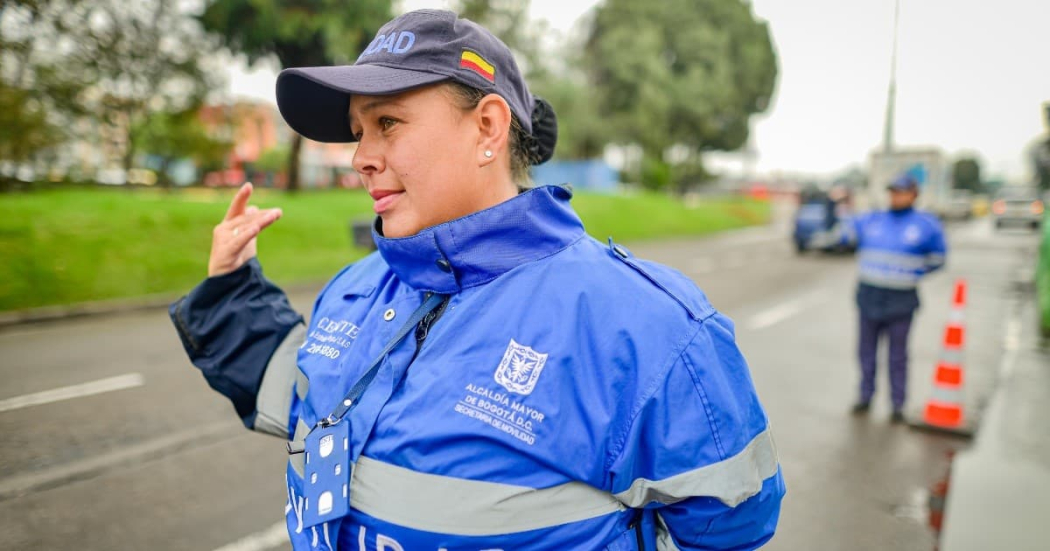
(113, 441)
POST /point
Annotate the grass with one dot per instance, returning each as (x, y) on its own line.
(78, 245)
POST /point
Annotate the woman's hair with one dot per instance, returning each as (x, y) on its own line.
(521, 158)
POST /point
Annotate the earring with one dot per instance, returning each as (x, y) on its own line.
(488, 153)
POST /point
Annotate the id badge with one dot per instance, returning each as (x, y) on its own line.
(326, 483)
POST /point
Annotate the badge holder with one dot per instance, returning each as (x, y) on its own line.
(327, 473)
(327, 465)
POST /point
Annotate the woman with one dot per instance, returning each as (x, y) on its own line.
(497, 378)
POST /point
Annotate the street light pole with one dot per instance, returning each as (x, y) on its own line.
(887, 131)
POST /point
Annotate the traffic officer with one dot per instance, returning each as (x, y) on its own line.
(492, 377)
(895, 248)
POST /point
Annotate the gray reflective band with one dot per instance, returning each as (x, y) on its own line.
(946, 396)
(274, 401)
(895, 260)
(664, 541)
(459, 506)
(302, 385)
(951, 356)
(731, 481)
(908, 281)
(934, 259)
(296, 460)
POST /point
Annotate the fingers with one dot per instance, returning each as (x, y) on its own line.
(245, 227)
(239, 201)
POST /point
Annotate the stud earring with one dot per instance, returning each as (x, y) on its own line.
(488, 153)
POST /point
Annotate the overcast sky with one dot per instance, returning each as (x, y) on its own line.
(971, 77)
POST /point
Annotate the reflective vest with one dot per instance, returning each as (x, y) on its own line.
(896, 248)
(569, 396)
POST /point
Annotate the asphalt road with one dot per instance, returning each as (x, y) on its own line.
(114, 441)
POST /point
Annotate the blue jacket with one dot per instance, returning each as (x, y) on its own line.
(895, 249)
(569, 396)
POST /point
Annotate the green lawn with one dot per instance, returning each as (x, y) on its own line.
(79, 245)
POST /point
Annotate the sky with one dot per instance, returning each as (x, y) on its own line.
(972, 76)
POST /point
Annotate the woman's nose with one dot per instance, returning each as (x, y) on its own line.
(367, 158)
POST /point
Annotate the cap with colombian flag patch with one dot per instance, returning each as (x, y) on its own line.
(476, 63)
(416, 49)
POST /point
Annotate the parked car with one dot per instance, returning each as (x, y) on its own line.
(819, 220)
(1017, 206)
(959, 205)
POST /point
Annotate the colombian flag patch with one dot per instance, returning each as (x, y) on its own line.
(476, 63)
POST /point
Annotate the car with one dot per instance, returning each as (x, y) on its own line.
(819, 221)
(959, 205)
(1017, 206)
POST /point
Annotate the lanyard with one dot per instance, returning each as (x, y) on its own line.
(349, 401)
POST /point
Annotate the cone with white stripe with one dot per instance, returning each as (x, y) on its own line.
(945, 409)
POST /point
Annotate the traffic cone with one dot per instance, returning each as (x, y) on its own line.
(945, 409)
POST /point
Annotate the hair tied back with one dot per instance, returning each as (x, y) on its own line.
(544, 131)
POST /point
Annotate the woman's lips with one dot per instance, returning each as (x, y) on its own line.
(385, 200)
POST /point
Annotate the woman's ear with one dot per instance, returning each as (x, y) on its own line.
(493, 118)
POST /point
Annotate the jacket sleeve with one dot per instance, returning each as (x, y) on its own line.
(240, 330)
(936, 248)
(850, 231)
(699, 452)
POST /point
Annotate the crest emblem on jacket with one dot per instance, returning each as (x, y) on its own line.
(520, 368)
(912, 235)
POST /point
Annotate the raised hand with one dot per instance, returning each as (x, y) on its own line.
(233, 239)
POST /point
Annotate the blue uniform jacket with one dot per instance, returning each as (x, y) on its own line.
(895, 250)
(570, 396)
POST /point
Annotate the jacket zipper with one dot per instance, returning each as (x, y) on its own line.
(423, 329)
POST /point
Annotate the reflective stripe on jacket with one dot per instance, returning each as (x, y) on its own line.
(568, 393)
(895, 249)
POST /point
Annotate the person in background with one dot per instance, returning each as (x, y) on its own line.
(492, 377)
(895, 248)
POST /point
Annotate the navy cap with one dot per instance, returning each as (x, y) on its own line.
(904, 182)
(416, 49)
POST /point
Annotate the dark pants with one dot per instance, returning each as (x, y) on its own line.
(870, 330)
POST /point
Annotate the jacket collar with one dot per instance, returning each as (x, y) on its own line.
(480, 247)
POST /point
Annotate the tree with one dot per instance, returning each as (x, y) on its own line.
(1040, 154)
(682, 73)
(24, 126)
(38, 97)
(966, 174)
(298, 33)
(177, 135)
(102, 67)
(581, 132)
(142, 57)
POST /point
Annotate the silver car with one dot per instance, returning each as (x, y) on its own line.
(1018, 206)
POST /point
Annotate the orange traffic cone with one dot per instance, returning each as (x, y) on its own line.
(944, 410)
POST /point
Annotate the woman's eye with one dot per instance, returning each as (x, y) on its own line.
(386, 123)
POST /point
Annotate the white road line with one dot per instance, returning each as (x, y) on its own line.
(127, 456)
(267, 539)
(100, 386)
(779, 313)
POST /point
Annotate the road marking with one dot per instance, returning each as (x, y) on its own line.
(136, 454)
(267, 539)
(779, 313)
(100, 386)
